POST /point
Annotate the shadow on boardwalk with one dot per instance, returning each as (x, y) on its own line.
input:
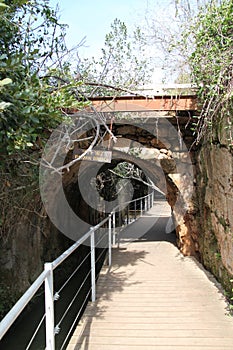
(154, 298)
(119, 281)
(157, 232)
(149, 228)
(120, 277)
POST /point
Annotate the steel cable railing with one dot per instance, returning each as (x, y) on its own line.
(57, 294)
(97, 243)
(100, 255)
(46, 277)
(57, 327)
(35, 333)
(75, 320)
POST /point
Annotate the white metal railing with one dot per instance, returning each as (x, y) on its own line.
(46, 277)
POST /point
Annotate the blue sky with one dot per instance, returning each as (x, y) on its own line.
(92, 19)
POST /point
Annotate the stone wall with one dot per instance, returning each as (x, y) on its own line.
(23, 253)
(205, 228)
(169, 153)
(215, 204)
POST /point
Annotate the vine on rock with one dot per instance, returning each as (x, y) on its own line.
(212, 67)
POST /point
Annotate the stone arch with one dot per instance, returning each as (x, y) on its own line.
(168, 172)
(176, 163)
(152, 170)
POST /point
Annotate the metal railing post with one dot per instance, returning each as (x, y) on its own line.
(93, 290)
(109, 241)
(114, 227)
(49, 308)
(46, 276)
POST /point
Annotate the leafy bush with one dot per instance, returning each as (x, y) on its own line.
(32, 45)
(212, 65)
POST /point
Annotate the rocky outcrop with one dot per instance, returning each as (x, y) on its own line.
(168, 152)
(201, 198)
(215, 199)
(23, 253)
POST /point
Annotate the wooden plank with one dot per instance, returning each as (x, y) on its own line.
(155, 341)
(154, 298)
(145, 347)
(103, 325)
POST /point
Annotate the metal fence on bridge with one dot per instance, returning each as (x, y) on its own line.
(106, 239)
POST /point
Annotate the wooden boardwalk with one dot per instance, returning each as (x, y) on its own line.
(154, 298)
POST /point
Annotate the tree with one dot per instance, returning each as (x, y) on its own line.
(123, 62)
(32, 42)
(211, 63)
(165, 31)
(121, 68)
(194, 37)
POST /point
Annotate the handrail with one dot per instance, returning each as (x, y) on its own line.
(70, 250)
(9, 319)
(47, 275)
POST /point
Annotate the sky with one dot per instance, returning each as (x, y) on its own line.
(91, 19)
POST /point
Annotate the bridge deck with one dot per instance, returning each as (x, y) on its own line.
(142, 103)
(154, 298)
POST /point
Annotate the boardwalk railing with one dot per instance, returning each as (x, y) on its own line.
(136, 206)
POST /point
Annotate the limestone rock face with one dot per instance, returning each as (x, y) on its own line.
(200, 195)
(216, 190)
(215, 197)
(23, 254)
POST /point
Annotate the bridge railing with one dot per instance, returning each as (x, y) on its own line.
(136, 206)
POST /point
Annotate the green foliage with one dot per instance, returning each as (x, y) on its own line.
(128, 170)
(3, 6)
(211, 64)
(31, 44)
(38, 86)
